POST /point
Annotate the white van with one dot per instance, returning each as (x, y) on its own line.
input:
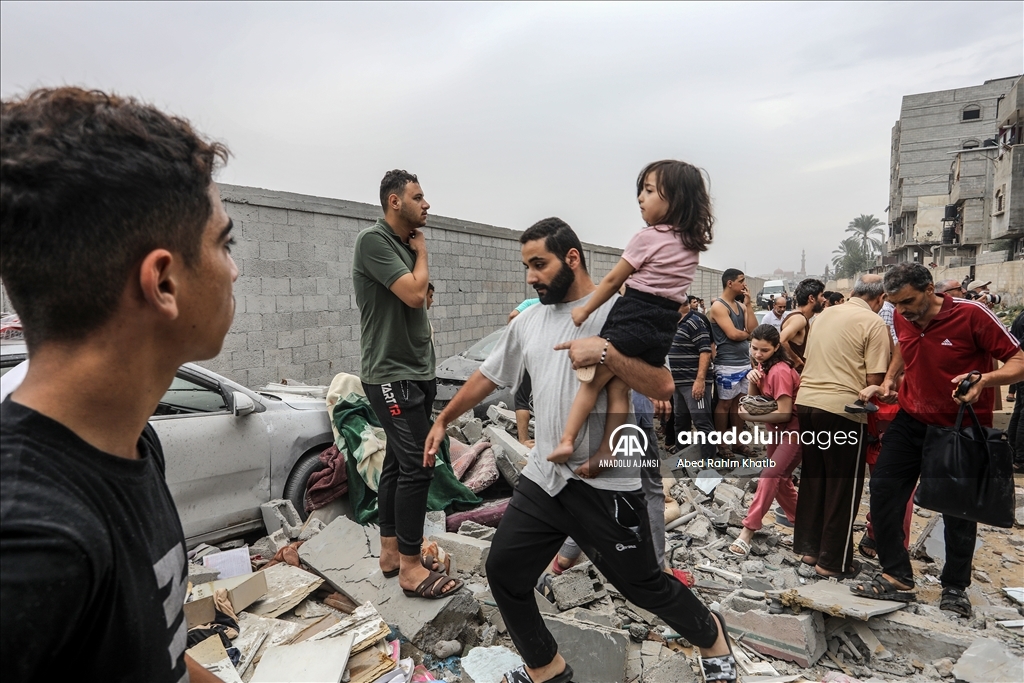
(772, 288)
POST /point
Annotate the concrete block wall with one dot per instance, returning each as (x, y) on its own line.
(296, 315)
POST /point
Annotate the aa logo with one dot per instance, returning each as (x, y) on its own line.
(628, 441)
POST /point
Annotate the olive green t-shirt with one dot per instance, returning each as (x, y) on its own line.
(395, 341)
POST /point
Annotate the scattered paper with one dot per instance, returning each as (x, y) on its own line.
(231, 563)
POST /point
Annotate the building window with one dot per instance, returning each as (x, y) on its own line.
(971, 112)
(971, 144)
(1000, 200)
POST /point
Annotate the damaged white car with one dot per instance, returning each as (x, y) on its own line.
(228, 449)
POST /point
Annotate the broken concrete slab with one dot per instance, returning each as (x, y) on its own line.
(484, 533)
(470, 553)
(988, 661)
(198, 574)
(473, 430)
(435, 522)
(674, 669)
(489, 664)
(576, 586)
(596, 654)
(343, 554)
(322, 660)
(796, 638)
(931, 638)
(837, 600)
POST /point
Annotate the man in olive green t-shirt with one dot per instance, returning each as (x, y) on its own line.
(389, 274)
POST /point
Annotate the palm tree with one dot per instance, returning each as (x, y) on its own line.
(865, 228)
(850, 258)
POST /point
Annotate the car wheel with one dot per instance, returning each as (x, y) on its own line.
(295, 487)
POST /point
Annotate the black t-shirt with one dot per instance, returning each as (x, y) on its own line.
(92, 558)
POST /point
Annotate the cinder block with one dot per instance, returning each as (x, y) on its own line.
(280, 514)
(470, 553)
(796, 638)
(576, 586)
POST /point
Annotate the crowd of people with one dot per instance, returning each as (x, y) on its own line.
(116, 250)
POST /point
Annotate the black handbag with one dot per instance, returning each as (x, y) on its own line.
(967, 472)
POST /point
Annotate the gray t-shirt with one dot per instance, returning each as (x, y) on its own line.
(528, 343)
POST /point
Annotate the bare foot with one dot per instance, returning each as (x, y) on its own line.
(390, 558)
(562, 453)
(721, 646)
(545, 673)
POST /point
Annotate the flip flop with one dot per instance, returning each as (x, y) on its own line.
(842, 576)
(685, 577)
(432, 587)
(880, 588)
(723, 667)
(742, 545)
(519, 675)
(867, 548)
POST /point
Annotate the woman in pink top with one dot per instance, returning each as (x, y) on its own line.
(657, 268)
(774, 378)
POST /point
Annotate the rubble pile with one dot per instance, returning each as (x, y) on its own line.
(309, 602)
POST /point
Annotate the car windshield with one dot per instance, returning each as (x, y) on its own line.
(483, 348)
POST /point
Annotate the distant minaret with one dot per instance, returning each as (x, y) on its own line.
(803, 263)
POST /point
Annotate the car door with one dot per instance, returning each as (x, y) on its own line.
(218, 464)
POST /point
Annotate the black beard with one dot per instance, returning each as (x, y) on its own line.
(556, 290)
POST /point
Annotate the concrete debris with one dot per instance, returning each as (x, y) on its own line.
(281, 514)
(836, 600)
(198, 574)
(469, 554)
(597, 654)
(489, 664)
(796, 638)
(502, 417)
(577, 586)
(988, 661)
(484, 533)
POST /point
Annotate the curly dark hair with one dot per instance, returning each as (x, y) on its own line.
(558, 238)
(90, 183)
(689, 204)
(902, 274)
(394, 182)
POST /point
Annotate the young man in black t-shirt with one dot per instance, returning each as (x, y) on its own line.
(115, 251)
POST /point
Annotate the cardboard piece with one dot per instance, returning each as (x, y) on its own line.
(286, 587)
(242, 590)
(212, 656)
(321, 661)
(201, 611)
(365, 625)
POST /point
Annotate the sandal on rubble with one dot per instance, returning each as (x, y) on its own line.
(956, 601)
(723, 667)
(432, 587)
(433, 554)
(855, 568)
(868, 548)
(881, 588)
(742, 545)
(519, 675)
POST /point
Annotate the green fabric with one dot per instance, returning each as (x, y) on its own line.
(358, 425)
(394, 341)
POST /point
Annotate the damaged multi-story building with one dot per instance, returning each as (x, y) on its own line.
(956, 192)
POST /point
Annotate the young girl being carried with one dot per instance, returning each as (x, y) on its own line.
(774, 378)
(657, 268)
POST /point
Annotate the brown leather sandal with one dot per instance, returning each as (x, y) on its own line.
(432, 587)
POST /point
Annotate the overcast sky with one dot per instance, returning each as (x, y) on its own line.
(513, 112)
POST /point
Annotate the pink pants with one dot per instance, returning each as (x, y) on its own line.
(775, 483)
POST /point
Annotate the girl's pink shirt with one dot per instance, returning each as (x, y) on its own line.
(663, 266)
(782, 380)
